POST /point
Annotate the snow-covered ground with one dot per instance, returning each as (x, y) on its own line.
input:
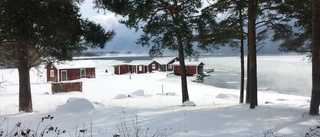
(149, 105)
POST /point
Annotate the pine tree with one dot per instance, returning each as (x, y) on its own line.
(240, 10)
(228, 29)
(168, 23)
(306, 39)
(252, 8)
(315, 95)
(226, 32)
(51, 28)
(300, 12)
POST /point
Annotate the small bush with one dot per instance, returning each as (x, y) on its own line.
(18, 131)
(133, 128)
(314, 132)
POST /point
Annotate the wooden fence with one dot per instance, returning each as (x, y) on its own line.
(66, 87)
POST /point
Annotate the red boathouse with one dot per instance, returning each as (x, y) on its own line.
(191, 68)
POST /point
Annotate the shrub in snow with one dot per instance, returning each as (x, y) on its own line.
(22, 131)
(134, 128)
(75, 105)
(270, 133)
(188, 104)
(314, 132)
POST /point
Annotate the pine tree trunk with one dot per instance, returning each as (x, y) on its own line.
(248, 81)
(25, 100)
(184, 85)
(315, 95)
(242, 57)
(252, 54)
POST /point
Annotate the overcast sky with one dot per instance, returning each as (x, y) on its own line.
(125, 38)
(124, 41)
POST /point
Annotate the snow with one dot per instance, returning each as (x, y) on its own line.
(74, 105)
(121, 96)
(167, 94)
(164, 60)
(153, 102)
(140, 93)
(227, 96)
(188, 63)
(189, 104)
(141, 62)
(74, 64)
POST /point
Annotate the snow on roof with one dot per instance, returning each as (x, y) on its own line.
(164, 60)
(74, 64)
(140, 62)
(188, 63)
(122, 64)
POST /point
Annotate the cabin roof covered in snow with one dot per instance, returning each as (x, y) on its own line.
(76, 64)
(189, 63)
(140, 62)
(123, 64)
(164, 60)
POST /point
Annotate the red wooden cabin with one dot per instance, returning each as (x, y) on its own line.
(70, 70)
(121, 69)
(191, 68)
(166, 63)
(142, 66)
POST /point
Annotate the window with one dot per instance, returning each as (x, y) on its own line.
(64, 75)
(140, 68)
(82, 73)
(133, 69)
(52, 73)
(153, 66)
(170, 66)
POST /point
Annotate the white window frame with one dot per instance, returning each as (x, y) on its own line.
(153, 66)
(62, 71)
(85, 73)
(52, 73)
(140, 68)
(170, 66)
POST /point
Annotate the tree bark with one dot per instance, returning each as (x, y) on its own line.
(252, 53)
(25, 100)
(315, 95)
(248, 81)
(184, 85)
(241, 56)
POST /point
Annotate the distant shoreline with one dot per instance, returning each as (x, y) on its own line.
(143, 56)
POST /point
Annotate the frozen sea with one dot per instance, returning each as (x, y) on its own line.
(288, 74)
